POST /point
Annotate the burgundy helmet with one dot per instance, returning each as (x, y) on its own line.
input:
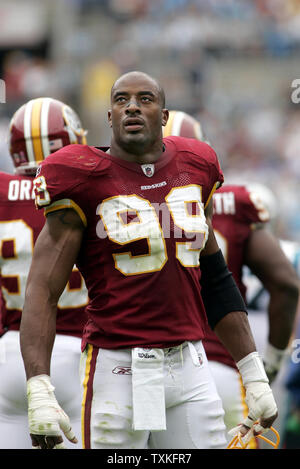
(39, 128)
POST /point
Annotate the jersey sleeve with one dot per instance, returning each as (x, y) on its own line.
(216, 173)
(58, 179)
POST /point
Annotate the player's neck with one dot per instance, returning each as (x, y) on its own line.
(135, 156)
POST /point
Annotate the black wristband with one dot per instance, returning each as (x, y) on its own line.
(219, 290)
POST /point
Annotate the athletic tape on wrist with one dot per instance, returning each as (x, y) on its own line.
(39, 389)
(251, 369)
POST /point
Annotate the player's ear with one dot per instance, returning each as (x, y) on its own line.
(165, 116)
(109, 118)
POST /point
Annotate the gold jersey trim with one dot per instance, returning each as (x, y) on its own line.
(66, 203)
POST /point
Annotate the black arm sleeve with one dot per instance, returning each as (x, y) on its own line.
(219, 290)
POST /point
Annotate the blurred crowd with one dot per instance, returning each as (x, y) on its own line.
(229, 63)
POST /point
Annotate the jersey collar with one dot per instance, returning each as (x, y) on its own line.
(165, 157)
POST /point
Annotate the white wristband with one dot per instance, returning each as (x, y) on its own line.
(273, 356)
(252, 369)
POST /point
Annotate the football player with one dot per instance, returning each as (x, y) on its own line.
(286, 366)
(291, 423)
(240, 226)
(136, 218)
(38, 128)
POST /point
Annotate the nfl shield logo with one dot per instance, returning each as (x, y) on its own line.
(148, 169)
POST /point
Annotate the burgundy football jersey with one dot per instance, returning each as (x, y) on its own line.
(145, 229)
(20, 224)
(236, 209)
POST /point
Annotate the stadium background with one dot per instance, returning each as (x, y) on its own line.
(230, 63)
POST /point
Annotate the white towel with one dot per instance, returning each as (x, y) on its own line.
(197, 360)
(2, 352)
(149, 409)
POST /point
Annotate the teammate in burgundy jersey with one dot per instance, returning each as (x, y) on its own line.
(136, 218)
(20, 225)
(240, 224)
(237, 211)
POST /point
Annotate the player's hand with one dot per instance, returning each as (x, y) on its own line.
(45, 417)
(272, 359)
(262, 411)
(262, 408)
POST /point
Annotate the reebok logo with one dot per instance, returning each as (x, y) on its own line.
(122, 370)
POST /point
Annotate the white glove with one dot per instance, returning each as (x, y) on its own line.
(45, 417)
(259, 398)
(273, 358)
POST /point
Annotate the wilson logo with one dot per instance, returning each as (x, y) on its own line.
(146, 355)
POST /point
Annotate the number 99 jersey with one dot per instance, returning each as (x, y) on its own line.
(144, 230)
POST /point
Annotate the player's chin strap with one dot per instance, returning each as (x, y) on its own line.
(237, 441)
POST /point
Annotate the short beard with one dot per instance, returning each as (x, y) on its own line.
(138, 147)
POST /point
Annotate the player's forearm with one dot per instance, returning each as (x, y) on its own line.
(54, 255)
(37, 332)
(268, 262)
(234, 332)
(282, 310)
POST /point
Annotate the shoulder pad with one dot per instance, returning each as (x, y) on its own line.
(192, 145)
(73, 156)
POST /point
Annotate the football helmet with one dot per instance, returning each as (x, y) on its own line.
(181, 124)
(238, 443)
(40, 127)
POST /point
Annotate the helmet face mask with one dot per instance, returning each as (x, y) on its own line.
(39, 128)
(238, 443)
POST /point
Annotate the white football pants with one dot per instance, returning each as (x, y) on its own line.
(14, 433)
(194, 413)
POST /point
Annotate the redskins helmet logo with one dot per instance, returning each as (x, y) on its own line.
(73, 124)
(40, 127)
